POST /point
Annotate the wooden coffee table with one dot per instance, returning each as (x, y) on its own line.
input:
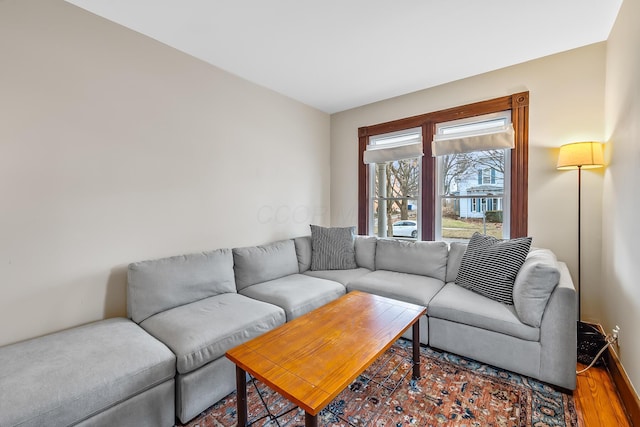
(312, 358)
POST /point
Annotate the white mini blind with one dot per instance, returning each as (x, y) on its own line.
(389, 147)
(481, 135)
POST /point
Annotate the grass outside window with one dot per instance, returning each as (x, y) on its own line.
(464, 228)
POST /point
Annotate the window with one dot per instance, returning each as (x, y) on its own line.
(473, 173)
(394, 162)
(429, 202)
(486, 176)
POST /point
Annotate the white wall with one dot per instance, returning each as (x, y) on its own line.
(620, 287)
(566, 105)
(115, 148)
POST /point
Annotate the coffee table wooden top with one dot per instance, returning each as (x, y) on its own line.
(312, 358)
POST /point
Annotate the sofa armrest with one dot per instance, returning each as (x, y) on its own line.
(558, 333)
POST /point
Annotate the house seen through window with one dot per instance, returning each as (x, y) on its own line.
(471, 179)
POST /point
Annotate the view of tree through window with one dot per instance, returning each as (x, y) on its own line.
(396, 194)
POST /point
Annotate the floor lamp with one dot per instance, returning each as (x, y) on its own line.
(582, 155)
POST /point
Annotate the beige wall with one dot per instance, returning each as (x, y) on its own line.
(620, 287)
(115, 148)
(566, 105)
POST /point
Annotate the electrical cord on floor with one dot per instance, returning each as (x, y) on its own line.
(610, 340)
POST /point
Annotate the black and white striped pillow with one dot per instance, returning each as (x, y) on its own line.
(333, 248)
(490, 266)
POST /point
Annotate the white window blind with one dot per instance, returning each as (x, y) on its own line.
(490, 132)
(389, 147)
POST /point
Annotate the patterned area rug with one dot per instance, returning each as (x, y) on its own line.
(453, 391)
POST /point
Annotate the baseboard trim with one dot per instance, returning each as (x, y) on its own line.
(627, 394)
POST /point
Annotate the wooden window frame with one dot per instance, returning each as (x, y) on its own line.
(518, 104)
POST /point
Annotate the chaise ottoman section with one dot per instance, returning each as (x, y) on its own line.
(77, 375)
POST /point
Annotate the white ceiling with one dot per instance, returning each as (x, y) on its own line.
(339, 54)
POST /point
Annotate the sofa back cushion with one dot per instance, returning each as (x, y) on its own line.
(536, 280)
(423, 258)
(257, 264)
(303, 252)
(456, 251)
(366, 251)
(158, 285)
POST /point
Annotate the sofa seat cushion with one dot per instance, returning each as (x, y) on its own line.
(297, 294)
(340, 276)
(405, 287)
(203, 331)
(69, 376)
(461, 305)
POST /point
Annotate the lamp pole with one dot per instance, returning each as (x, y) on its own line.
(579, 242)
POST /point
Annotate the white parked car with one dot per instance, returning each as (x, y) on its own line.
(405, 228)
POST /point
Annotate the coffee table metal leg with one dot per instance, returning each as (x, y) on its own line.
(416, 349)
(241, 396)
(310, 420)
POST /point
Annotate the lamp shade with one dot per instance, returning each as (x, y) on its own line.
(585, 155)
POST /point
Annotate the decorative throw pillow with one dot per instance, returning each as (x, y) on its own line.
(490, 266)
(333, 248)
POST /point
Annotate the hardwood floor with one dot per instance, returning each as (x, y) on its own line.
(597, 401)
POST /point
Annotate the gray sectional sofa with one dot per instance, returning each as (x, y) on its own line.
(167, 360)
(190, 303)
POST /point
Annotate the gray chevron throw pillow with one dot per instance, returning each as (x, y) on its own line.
(333, 248)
